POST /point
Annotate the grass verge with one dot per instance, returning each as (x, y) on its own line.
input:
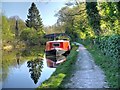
(62, 73)
(108, 65)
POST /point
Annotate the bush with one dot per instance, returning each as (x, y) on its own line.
(110, 45)
(32, 37)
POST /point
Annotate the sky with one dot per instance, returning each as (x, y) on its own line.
(47, 10)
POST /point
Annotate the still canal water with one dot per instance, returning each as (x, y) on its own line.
(24, 69)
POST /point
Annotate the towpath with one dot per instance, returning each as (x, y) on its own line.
(87, 73)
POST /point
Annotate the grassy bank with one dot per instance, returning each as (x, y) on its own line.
(62, 73)
(108, 65)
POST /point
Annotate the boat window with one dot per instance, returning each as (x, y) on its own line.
(56, 44)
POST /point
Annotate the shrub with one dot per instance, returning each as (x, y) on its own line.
(110, 45)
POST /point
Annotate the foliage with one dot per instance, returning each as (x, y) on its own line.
(65, 17)
(75, 21)
(26, 34)
(8, 30)
(12, 23)
(34, 20)
(63, 37)
(54, 81)
(110, 46)
(109, 18)
(56, 28)
(33, 51)
(90, 19)
(7, 34)
(93, 17)
(32, 37)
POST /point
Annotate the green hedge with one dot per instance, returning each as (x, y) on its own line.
(110, 45)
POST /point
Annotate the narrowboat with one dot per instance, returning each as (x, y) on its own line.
(57, 47)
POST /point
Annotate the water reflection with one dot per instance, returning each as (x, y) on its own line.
(54, 61)
(18, 58)
(35, 68)
(17, 66)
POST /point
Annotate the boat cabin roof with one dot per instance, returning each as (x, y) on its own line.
(59, 41)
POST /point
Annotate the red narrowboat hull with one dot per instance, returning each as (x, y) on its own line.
(57, 48)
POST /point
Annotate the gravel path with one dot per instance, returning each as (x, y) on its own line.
(87, 73)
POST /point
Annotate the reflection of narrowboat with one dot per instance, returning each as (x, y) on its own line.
(50, 63)
(54, 61)
(57, 47)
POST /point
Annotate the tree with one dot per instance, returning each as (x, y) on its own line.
(16, 22)
(34, 19)
(17, 29)
(66, 17)
(7, 34)
(93, 17)
(34, 23)
(110, 18)
(28, 36)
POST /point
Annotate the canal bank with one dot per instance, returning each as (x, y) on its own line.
(63, 71)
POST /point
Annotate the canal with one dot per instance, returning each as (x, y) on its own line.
(23, 68)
